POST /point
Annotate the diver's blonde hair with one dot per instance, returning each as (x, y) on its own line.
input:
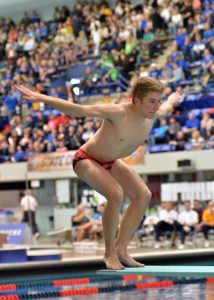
(142, 86)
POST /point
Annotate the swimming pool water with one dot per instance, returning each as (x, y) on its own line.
(115, 288)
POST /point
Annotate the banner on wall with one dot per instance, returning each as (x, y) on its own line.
(17, 233)
(136, 158)
(51, 161)
(63, 161)
(203, 191)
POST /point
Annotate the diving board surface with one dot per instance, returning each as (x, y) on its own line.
(165, 271)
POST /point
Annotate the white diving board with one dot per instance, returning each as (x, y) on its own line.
(164, 271)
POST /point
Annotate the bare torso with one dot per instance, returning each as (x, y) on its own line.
(119, 137)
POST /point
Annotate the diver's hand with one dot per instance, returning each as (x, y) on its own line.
(28, 94)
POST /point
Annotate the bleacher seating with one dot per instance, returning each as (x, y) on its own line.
(66, 64)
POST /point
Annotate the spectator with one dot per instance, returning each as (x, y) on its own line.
(198, 47)
(209, 79)
(73, 142)
(87, 82)
(177, 76)
(61, 146)
(20, 154)
(29, 207)
(167, 217)
(160, 134)
(40, 121)
(176, 21)
(143, 72)
(166, 73)
(4, 150)
(166, 12)
(174, 128)
(191, 124)
(181, 37)
(157, 20)
(208, 33)
(187, 12)
(187, 221)
(187, 49)
(154, 71)
(208, 222)
(197, 140)
(89, 131)
(29, 122)
(81, 221)
(207, 61)
(96, 38)
(210, 138)
(11, 102)
(199, 209)
(143, 53)
(97, 227)
(207, 123)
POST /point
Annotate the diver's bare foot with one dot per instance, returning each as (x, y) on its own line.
(128, 261)
(113, 263)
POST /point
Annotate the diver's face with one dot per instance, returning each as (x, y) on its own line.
(149, 104)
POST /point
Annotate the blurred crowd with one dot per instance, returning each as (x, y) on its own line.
(178, 222)
(123, 42)
(173, 225)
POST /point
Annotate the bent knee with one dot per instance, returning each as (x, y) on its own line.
(116, 196)
(144, 195)
(148, 195)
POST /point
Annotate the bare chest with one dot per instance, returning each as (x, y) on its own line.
(135, 133)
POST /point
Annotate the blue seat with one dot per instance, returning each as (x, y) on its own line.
(161, 148)
(188, 146)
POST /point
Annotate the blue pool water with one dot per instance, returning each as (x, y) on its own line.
(182, 292)
(53, 286)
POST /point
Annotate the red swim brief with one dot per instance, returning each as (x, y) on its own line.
(80, 155)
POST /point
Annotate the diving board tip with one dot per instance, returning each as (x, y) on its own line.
(164, 271)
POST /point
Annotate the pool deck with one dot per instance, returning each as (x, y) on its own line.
(89, 256)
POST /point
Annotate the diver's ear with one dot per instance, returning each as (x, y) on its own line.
(136, 100)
